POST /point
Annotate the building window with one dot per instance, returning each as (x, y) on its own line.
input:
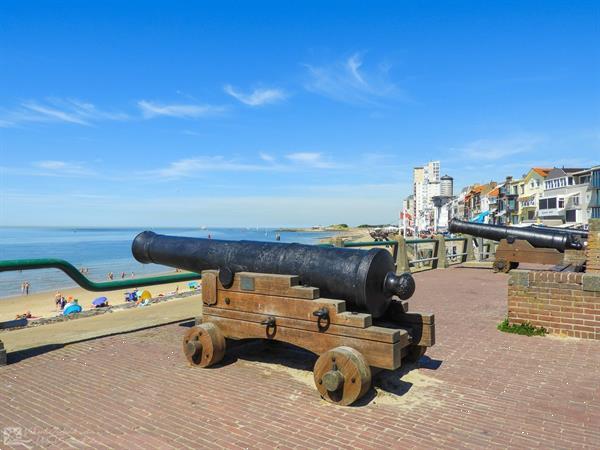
(576, 200)
(548, 203)
(561, 202)
(570, 181)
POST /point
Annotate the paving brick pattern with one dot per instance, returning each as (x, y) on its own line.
(476, 388)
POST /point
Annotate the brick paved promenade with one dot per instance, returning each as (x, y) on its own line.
(476, 388)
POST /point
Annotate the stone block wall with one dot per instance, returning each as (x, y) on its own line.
(565, 303)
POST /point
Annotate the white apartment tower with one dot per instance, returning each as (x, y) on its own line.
(426, 185)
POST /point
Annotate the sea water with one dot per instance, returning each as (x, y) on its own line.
(104, 250)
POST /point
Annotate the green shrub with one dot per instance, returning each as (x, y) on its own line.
(524, 328)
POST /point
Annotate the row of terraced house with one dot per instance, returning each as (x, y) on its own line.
(551, 196)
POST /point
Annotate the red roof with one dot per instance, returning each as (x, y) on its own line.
(494, 192)
(541, 171)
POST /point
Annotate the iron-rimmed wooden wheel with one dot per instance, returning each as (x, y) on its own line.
(204, 345)
(342, 375)
(501, 265)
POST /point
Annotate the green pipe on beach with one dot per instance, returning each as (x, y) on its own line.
(86, 283)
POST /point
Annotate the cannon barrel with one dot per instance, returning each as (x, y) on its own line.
(538, 239)
(365, 279)
(544, 228)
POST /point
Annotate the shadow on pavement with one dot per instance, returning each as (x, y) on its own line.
(18, 356)
(288, 355)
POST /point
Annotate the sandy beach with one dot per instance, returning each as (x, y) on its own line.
(350, 234)
(42, 304)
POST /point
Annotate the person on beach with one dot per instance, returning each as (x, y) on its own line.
(122, 275)
(132, 274)
(110, 276)
(27, 315)
(27, 286)
(57, 300)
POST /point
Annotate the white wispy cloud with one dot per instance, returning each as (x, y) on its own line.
(72, 111)
(257, 97)
(496, 149)
(199, 166)
(350, 82)
(266, 157)
(51, 168)
(312, 159)
(152, 109)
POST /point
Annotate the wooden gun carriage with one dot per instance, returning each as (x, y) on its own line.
(511, 252)
(277, 307)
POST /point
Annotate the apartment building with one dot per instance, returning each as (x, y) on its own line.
(477, 202)
(426, 185)
(594, 205)
(533, 189)
(567, 194)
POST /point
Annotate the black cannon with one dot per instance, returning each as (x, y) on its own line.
(528, 244)
(537, 237)
(365, 279)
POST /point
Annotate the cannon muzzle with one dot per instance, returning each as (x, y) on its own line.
(365, 279)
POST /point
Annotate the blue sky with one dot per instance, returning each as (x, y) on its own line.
(282, 113)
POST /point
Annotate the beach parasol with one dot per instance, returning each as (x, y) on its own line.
(99, 301)
(71, 309)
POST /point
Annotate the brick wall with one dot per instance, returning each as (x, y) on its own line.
(565, 303)
(593, 248)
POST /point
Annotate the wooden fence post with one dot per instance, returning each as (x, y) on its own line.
(468, 249)
(440, 253)
(402, 264)
(481, 249)
(337, 241)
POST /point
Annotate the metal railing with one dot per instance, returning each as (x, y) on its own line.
(462, 250)
(71, 271)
